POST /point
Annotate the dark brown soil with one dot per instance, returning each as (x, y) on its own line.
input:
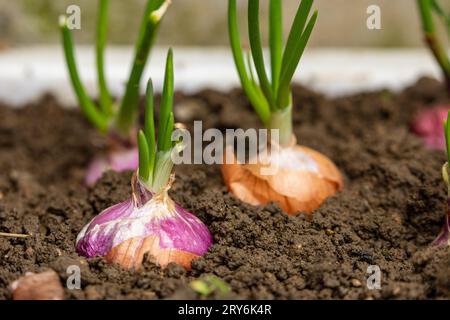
(391, 209)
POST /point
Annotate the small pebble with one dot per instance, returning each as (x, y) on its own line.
(38, 286)
(356, 283)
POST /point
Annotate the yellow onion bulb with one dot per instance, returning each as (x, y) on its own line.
(302, 179)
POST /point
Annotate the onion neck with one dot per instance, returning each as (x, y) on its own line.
(282, 120)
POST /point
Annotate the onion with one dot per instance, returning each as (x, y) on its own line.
(150, 222)
(304, 178)
(444, 237)
(145, 223)
(120, 160)
(428, 126)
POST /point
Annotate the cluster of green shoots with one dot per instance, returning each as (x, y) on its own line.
(106, 116)
(271, 97)
(428, 9)
(155, 163)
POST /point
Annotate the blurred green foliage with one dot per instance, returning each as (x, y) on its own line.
(203, 22)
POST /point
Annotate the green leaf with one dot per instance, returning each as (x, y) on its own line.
(445, 17)
(144, 170)
(291, 62)
(276, 41)
(149, 128)
(88, 107)
(163, 170)
(168, 144)
(257, 50)
(201, 287)
(296, 30)
(151, 20)
(432, 40)
(210, 284)
(258, 102)
(166, 105)
(425, 13)
(102, 29)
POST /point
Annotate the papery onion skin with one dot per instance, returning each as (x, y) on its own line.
(444, 237)
(428, 125)
(120, 160)
(294, 190)
(146, 223)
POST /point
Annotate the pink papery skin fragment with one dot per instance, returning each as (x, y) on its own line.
(429, 126)
(117, 161)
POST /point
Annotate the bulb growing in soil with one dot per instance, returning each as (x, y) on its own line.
(428, 126)
(444, 236)
(305, 178)
(150, 222)
(118, 122)
(428, 123)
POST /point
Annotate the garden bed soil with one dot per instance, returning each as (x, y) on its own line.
(392, 206)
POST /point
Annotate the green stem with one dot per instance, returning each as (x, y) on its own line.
(144, 156)
(432, 40)
(152, 17)
(255, 96)
(88, 107)
(102, 28)
(282, 120)
(291, 60)
(257, 51)
(276, 41)
(149, 129)
(166, 121)
(164, 166)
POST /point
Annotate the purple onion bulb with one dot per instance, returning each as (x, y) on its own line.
(146, 223)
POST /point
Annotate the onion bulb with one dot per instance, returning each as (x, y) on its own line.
(302, 180)
(150, 222)
(428, 126)
(145, 223)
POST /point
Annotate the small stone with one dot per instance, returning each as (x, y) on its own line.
(356, 283)
(38, 286)
(396, 291)
(329, 232)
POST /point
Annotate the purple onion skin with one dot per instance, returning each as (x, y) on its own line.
(122, 160)
(444, 237)
(428, 125)
(144, 215)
